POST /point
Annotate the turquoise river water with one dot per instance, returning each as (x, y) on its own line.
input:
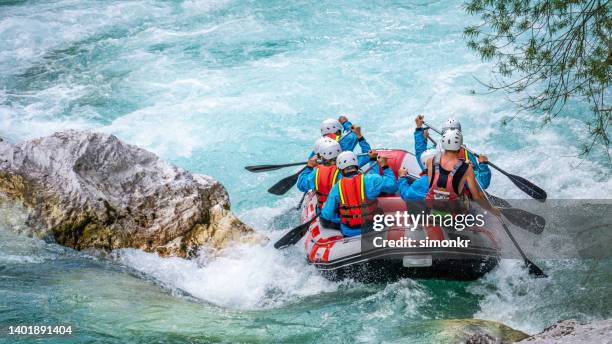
(214, 85)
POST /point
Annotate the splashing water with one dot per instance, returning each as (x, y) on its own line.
(215, 85)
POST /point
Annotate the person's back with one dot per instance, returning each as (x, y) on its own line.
(321, 177)
(448, 175)
(352, 200)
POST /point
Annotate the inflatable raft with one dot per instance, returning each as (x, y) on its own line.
(338, 257)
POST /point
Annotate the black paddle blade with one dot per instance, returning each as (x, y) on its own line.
(262, 168)
(293, 236)
(498, 202)
(265, 168)
(524, 219)
(528, 187)
(534, 270)
(285, 184)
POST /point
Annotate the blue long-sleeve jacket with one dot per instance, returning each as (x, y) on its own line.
(420, 145)
(306, 180)
(348, 142)
(374, 185)
(415, 191)
(482, 171)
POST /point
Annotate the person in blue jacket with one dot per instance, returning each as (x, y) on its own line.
(334, 129)
(351, 197)
(480, 164)
(411, 189)
(306, 180)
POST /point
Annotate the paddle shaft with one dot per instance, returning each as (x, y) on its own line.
(526, 186)
(469, 150)
(301, 201)
(533, 269)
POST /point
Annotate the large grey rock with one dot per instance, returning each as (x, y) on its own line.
(90, 190)
(570, 331)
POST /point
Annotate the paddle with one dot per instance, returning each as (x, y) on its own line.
(285, 184)
(524, 219)
(498, 201)
(526, 186)
(294, 235)
(301, 201)
(265, 168)
(271, 167)
(533, 269)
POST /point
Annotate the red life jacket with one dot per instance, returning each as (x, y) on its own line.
(354, 208)
(395, 159)
(333, 137)
(463, 155)
(446, 192)
(325, 179)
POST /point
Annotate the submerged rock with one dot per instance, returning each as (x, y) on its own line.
(470, 331)
(90, 190)
(570, 331)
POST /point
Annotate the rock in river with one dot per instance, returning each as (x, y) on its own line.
(90, 190)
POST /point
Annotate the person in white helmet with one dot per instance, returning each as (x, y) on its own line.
(322, 176)
(333, 128)
(352, 201)
(448, 174)
(451, 123)
(480, 164)
(410, 189)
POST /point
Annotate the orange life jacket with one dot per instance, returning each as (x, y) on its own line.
(354, 208)
(333, 137)
(325, 178)
(463, 155)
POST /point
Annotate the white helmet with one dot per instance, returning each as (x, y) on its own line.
(451, 123)
(428, 154)
(329, 149)
(346, 159)
(318, 143)
(330, 126)
(452, 140)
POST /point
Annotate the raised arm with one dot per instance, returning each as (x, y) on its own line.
(420, 139)
(348, 142)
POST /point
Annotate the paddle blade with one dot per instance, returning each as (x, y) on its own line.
(524, 219)
(293, 236)
(498, 202)
(262, 168)
(285, 184)
(528, 187)
(265, 168)
(534, 270)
